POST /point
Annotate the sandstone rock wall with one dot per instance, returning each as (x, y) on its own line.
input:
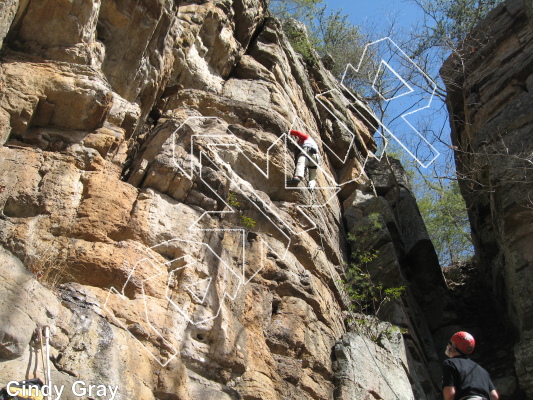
(490, 102)
(146, 220)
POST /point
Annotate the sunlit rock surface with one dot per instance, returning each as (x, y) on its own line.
(146, 218)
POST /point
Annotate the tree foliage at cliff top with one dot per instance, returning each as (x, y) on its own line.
(443, 25)
(446, 23)
(329, 32)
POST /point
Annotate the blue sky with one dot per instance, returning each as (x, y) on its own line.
(378, 14)
(377, 11)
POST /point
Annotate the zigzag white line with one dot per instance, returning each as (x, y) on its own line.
(430, 82)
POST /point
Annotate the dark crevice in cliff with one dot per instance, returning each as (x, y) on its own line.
(10, 40)
(255, 36)
(250, 47)
(138, 142)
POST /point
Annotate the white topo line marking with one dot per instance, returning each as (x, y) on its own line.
(430, 87)
(285, 228)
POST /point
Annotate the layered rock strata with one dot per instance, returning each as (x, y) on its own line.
(490, 100)
(146, 218)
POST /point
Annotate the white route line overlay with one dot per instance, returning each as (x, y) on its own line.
(285, 229)
(161, 268)
(431, 85)
(370, 153)
(241, 279)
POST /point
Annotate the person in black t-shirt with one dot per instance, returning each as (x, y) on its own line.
(462, 378)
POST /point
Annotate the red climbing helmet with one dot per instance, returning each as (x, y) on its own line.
(464, 342)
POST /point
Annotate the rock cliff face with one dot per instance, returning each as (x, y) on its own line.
(147, 221)
(490, 102)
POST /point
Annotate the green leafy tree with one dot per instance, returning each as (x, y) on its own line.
(444, 212)
(301, 10)
(328, 32)
(338, 37)
(300, 41)
(367, 295)
(246, 221)
(448, 23)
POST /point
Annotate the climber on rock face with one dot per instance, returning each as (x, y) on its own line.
(309, 158)
(462, 378)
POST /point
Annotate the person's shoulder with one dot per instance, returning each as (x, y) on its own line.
(457, 361)
(464, 363)
(449, 362)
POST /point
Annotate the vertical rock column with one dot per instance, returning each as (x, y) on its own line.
(388, 214)
(490, 98)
